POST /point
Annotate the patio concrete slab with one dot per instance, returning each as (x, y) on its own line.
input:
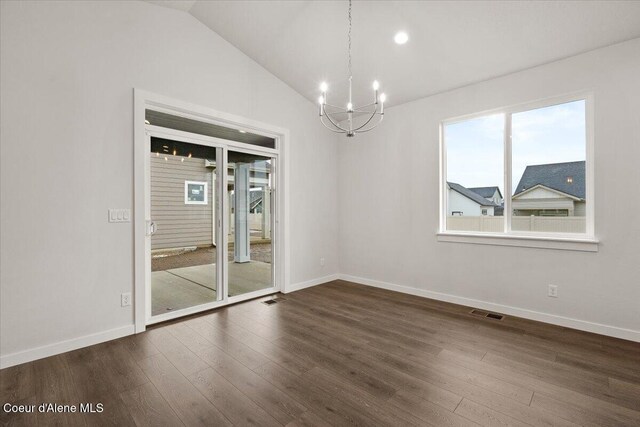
(185, 287)
(170, 293)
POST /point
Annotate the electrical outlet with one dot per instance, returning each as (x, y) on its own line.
(553, 291)
(322, 262)
(125, 299)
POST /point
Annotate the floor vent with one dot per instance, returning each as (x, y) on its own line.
(481, 313)
(477, 312)
(270, 301)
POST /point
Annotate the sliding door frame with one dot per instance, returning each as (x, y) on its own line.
(144, 100)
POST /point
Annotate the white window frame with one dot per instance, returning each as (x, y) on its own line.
(568, 241)
(193, 202)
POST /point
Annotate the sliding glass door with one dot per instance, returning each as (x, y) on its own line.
(250, 201)
(184, 207)
(210, 223)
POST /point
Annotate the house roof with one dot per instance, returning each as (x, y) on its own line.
(486, 192)
(554, 176)
(470, 194)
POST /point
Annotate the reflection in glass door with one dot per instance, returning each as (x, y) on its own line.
(184, 206)
(250, 208)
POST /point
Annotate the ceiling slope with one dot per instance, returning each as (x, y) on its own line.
(452, 44)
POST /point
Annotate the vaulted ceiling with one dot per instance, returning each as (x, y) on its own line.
(452, 43)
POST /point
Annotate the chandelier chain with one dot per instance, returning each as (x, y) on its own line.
(350, 74)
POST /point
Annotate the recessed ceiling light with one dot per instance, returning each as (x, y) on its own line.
(401, 37)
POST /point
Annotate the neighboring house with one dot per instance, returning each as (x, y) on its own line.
(492, 194)
(463, 201)
(195, 222)
(556, 189)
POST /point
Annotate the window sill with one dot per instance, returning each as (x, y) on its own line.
(543, 242)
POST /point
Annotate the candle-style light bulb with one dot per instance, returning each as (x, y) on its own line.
(376, 85)
(349, 106)
(383, 97)
(323, 87)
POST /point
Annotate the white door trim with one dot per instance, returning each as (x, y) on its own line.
(144, 100)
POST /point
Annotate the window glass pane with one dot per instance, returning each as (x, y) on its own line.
(250, 195)
(157, 118)
(548, 169)
(183, 206)
(475, 174)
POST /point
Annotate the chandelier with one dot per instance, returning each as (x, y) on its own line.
(368, 111)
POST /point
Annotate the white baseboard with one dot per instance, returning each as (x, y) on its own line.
(63, 346)
(582, 325)
(309, 283)
(85, 341)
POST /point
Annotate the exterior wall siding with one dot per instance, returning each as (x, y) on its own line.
(460, 203)
(540, 193)
(180, 225)
(538, 204)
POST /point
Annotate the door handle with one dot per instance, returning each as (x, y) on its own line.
(152, 227)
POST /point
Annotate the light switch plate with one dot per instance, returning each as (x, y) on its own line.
(119, 215)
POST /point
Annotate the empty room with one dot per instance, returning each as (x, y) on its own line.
(319, 213)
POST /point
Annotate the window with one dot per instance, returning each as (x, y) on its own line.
(534, 183)
(195, 193)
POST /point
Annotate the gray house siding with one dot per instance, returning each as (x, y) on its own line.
(179, 225)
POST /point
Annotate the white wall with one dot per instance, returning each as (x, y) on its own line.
(67, 76)
(601, 288)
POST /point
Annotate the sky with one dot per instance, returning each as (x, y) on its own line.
(475, 150)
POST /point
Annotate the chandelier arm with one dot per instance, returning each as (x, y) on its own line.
(365, 106)
(330, 128)
(334, 124)
(367, 122)
(336, 112)
(372, 127)
(333, 130)
(333, 106)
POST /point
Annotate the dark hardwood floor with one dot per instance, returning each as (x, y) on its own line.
(339, 354)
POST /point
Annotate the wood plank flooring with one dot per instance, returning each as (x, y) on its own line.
(339, 354)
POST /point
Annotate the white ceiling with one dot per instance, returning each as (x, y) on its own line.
(451, 44)
(183, 5)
